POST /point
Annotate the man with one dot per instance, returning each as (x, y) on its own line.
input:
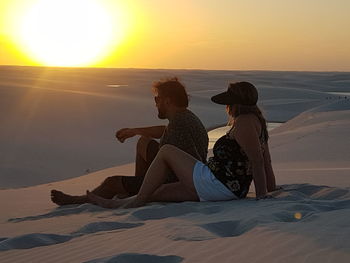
(184, 131)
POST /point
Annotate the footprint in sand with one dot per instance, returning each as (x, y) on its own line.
(105, 226)
(33, 240)
(139, 258)
(37, 240)
(188, 233)
(174, 210)
(229, 228)
(61, 211)
(162, 212)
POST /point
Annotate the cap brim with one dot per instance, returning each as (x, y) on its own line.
(224, 98)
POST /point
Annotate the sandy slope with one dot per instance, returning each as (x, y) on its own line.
(303, 223)
(314, 147)
(308, 221)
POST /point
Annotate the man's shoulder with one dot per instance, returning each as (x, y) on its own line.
(186, 116)
(186, 120)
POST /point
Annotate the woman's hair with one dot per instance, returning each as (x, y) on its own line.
(249, 95)
(173, 89)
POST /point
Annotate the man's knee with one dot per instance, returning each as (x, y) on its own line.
(147, 147)
(142, 144)
(112, 181)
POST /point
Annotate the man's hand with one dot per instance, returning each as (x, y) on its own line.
(124, 134)
(150, 132)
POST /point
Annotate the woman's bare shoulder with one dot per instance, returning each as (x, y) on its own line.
(247, 119)
(246, 122)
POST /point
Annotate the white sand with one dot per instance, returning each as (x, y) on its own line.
(306, 222)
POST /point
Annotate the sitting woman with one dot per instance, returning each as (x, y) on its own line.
(240, 156)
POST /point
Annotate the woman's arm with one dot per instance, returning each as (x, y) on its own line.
(246, 133)
(270, 176)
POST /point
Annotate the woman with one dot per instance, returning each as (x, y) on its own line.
(240, 156)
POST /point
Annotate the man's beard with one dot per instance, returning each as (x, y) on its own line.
(161, 114)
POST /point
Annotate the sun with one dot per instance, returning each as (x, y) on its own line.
(68, 32)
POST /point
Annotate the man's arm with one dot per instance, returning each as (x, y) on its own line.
(152, 132)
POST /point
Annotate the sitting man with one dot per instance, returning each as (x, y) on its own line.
(184, 131)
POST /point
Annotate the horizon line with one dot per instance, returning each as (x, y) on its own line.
(195, 69)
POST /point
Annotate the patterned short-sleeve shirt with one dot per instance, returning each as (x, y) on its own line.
(186, 131)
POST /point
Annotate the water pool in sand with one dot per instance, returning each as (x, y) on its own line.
(216, 133)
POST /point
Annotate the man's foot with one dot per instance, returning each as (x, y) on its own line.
(61, 198)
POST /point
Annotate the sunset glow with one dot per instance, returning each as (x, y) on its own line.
(193, 34)
(68, 33)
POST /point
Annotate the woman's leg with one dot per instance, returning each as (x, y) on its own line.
(169, 158)
(173, 192)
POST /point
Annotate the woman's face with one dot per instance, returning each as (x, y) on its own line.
(229, 109)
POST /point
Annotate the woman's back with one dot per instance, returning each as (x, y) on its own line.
(235, 152)
(230, 163)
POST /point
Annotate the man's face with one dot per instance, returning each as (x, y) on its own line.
(161, 104)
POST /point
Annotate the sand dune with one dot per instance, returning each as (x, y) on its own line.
(305, 212)
(306, 221)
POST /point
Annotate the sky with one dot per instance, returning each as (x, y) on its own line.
(302, 35)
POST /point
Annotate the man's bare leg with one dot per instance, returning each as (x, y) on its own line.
(146, 150)
(110, 187)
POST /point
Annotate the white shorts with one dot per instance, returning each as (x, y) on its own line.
(208, 187)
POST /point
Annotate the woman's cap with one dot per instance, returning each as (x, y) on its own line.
(243, 93)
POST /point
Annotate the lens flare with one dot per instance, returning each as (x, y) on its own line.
(298, 215)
